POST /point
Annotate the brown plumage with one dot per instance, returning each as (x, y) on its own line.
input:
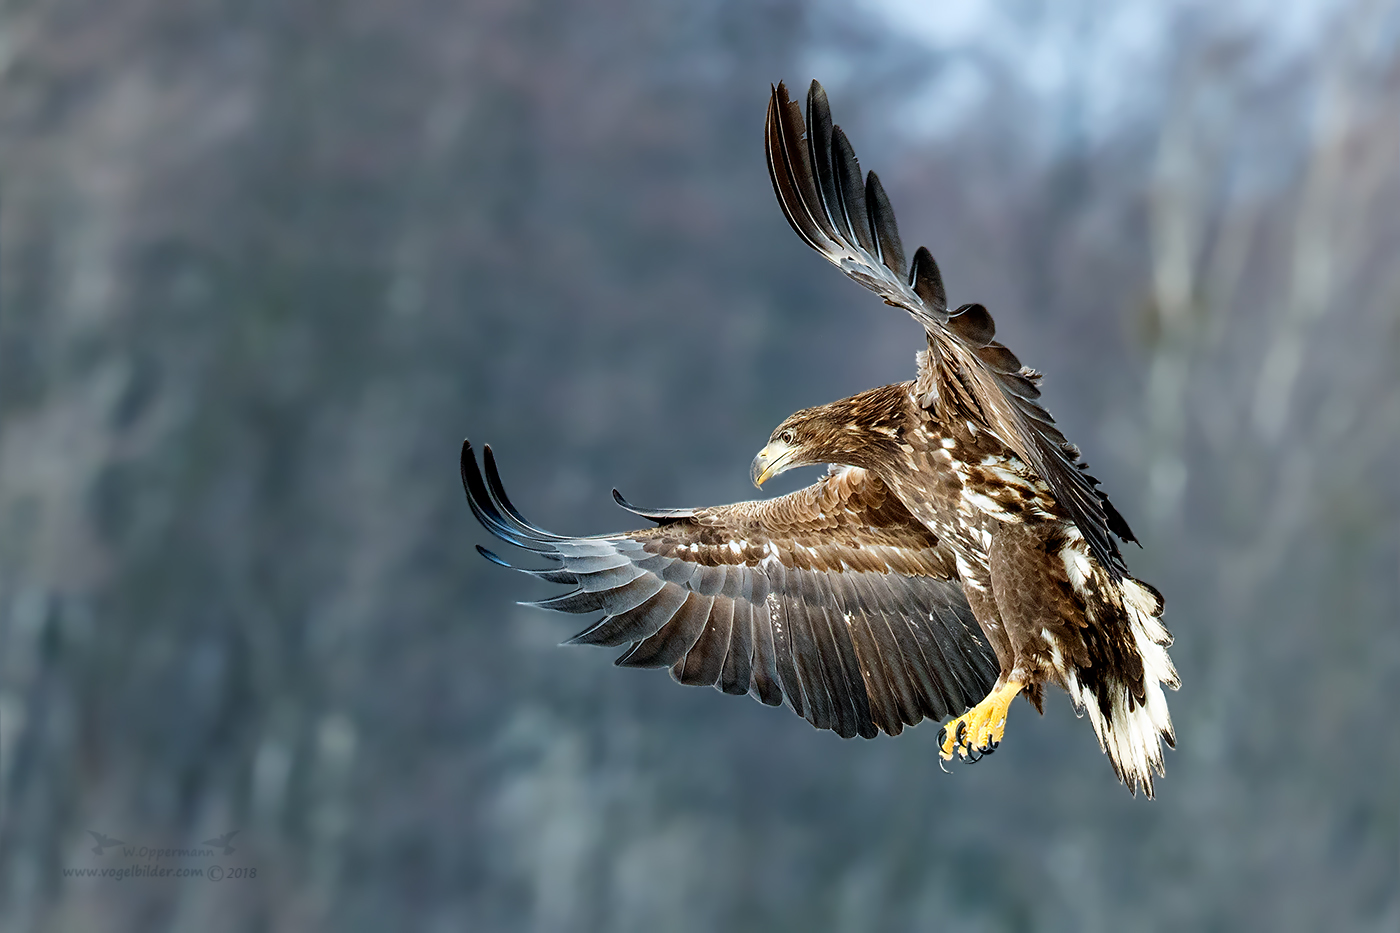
(833, 599)
(954, 507)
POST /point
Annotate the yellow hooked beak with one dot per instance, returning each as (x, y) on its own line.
(771, 460)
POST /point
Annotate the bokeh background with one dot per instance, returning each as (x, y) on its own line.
(264, 264)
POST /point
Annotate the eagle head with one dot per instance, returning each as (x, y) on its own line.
(861, 431)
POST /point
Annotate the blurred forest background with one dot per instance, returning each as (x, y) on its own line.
(266, 263)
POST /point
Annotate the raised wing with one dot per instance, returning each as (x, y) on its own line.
(833, 599)
(849, 220)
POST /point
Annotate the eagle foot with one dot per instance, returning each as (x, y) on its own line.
(980, 730)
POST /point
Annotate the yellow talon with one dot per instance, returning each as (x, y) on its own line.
(981, 728)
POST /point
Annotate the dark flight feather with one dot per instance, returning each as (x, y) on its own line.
(927, 281)
(736, 676)
(974, 324)
(884, 231)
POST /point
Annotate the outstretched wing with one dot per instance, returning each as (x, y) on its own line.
(849, 221)
(833, 599)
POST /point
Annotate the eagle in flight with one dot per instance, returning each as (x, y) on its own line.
(955, 555)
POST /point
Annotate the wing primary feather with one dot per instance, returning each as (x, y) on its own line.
(550, 575)
(851, 189)
(927, 281)
(819, 154)
(496, 560)
(503, 503)
(485, 510)
(799, 166)
(822, 192)
(883, 229)
(780, 172)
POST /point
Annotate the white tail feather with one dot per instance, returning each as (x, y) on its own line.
(1131, 733)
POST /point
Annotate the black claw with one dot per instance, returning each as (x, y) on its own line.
(970, 752)
(962, 730)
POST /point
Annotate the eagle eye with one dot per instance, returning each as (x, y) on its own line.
(786, 437)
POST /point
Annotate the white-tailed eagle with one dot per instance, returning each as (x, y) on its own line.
(956, 554)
